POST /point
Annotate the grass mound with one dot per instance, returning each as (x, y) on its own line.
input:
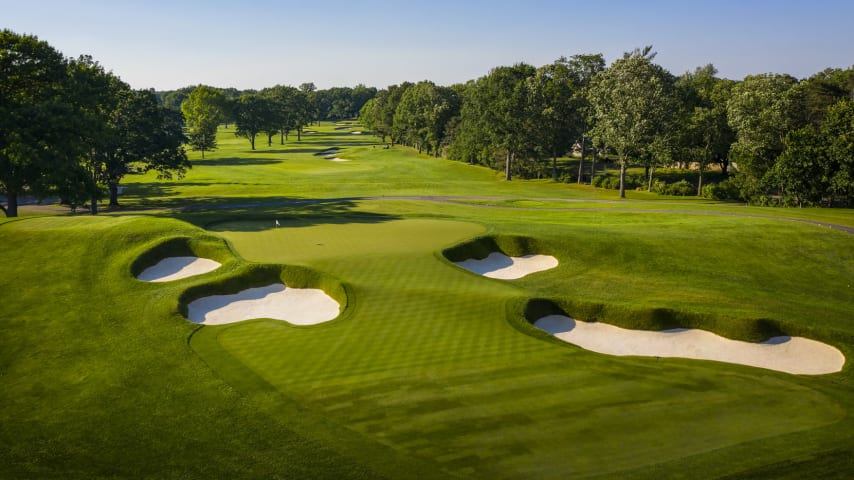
(653, 319)
(202, 246)
(480, 247)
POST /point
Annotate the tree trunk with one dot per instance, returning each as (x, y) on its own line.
(623, 177)
(281, 137)
(700, 183)
(593, 166)
(114, 194)
(651, 175)
(11, 208)
(93, 208)
(270, 140)
(299, 134)
(724, 163)
(581, 162)
(252, 141)
(507, 167)
(554, 167)
(203, 154)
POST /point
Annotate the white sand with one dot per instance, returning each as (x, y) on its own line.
(176, 268)
(336, 159)
(298, 306)
(795, 355)
(355, 133)
(498, 265)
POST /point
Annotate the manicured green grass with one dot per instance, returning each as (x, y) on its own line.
(431, 371)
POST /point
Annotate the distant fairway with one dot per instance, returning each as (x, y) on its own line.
(430, 371)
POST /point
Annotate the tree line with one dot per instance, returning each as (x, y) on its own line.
(71, 129)
(792, 141)
(273, 111)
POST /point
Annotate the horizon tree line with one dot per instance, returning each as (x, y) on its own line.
(792, 140)
(73, 130)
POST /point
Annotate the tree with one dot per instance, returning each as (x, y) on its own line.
(500, 102)
(254, 115)
(629, 99)
(369, 116)
(282, 112)
(761, 110)
(837, 136)
(554, 110)
(35, 137)
(707, 134)
(173, 99)
(584, 69)
(797, 172)
(148, 137)
(818, 160)
(203, 112)
(422, 115)
(125, 131)
(96, 95)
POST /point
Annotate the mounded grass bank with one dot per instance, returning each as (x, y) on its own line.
(510, 245)
(654, 319)
(259, 275)
(201, 246)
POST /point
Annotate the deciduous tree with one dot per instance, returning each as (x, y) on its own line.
(254, 114)
(203, 111)
(629, 99)
(34, 117)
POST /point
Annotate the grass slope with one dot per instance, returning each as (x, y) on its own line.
(431, 371)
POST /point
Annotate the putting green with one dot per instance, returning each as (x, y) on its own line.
(324, 239)
(428, 365)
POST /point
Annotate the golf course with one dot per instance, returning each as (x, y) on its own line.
(409, 343)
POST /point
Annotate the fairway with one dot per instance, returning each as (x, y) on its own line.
(430, 370)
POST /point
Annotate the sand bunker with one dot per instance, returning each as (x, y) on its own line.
(298, 306)
(355, 133)
(336, 159)
(176, 268)
(498, 265)
(795, 355)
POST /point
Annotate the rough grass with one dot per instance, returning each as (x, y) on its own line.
(426, 374)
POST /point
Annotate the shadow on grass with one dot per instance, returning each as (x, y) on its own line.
(285, 150)
(235, 161)
(258, 216)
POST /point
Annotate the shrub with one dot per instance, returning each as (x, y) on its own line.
(725, 190)
(681, 188)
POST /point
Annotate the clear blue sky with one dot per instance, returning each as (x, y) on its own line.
(258, 43)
